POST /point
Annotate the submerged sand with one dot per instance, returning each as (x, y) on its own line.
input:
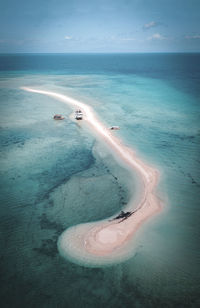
(106, 237)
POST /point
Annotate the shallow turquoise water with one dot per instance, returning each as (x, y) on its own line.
(55, 175)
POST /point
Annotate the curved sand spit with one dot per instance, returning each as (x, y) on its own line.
(106, 238)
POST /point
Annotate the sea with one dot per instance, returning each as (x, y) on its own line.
(55, 175)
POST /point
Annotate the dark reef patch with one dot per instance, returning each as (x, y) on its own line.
(16, 136)
(48, 247)
(45, 223)
(72, 163)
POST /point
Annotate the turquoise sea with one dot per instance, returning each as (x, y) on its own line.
(54, 175)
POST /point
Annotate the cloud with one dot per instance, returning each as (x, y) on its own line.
(192, 37)
(156, 36)
(150, 25)
(67, 37)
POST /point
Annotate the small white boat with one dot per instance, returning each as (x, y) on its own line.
(78, 115)
(114, 127)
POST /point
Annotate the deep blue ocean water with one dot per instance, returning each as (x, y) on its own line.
(55, 175)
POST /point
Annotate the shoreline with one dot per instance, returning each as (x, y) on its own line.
(105, 238)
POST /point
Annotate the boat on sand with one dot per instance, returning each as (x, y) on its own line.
(78, 115)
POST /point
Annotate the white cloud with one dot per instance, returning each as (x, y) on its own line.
(150, 25)
(67, 37)
(192, 37)
(156, 36)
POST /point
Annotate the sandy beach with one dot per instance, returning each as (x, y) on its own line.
(104, 238)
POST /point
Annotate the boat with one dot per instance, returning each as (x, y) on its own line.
(123, 215)
(114, 127)
(78, 115)
(58, 117)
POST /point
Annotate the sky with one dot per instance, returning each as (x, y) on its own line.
(67, 26)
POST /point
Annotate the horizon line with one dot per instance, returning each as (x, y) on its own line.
(98, 53)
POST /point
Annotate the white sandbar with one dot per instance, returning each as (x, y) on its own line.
(108, 237)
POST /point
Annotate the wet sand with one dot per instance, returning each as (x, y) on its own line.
(105, 237)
